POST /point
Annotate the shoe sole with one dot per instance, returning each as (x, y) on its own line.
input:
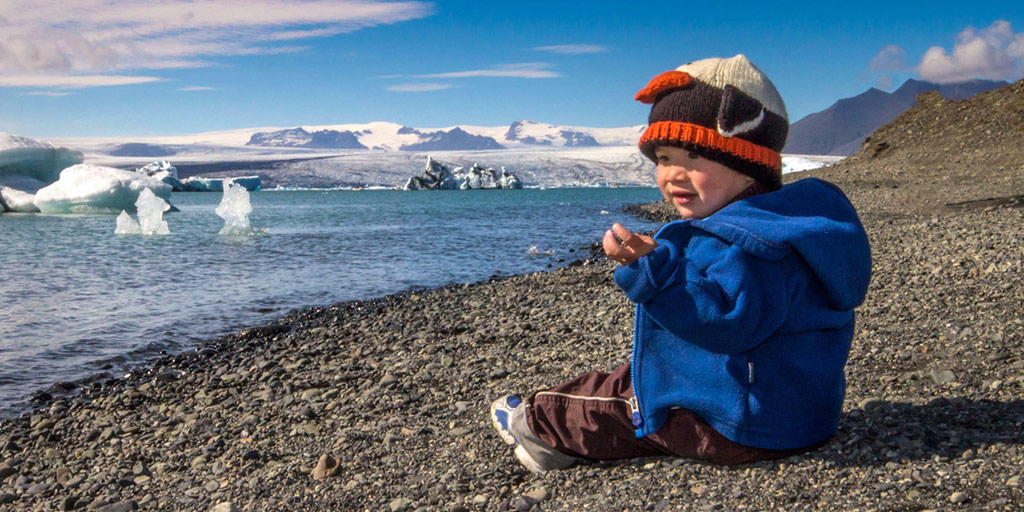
(503, 433)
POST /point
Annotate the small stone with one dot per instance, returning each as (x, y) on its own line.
(251, 455)
(539, 494)
(7, 498)
(37, 489)
(327, 466)
(388, 380)
(959, 497)
(227, 506)
(480, 499)
(943, 376)
(69, 503)
(140, 469)
(1014, 481)
(398, 504)
(870, 404)
(124, 506)
(6, 471)
(212, 486)
(142, 480)
(63, 475)
(499, 374)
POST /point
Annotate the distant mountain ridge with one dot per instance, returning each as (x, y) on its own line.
(394, 137)
(841, 128)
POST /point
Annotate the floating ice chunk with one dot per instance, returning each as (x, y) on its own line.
(86, 188)
(151, 213)
(198, 184)
(126, 225)
(34, 158)
(17, 193)
(162, 170)
(533, 251)
(151, 217)
(235, 208)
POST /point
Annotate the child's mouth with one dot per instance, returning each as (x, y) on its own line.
(683, 198)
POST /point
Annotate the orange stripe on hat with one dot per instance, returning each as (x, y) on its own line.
(661, 83)
(706, 137)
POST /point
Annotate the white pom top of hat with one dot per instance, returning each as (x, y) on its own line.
(742, 74)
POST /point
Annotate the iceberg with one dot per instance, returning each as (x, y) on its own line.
(235, 208)
(437, 176)
(162, 170)
(86, 188)
(34, 158)
(151, 216)
(18, 192)
(198, 184)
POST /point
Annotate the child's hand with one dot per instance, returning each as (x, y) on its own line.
(629, 246)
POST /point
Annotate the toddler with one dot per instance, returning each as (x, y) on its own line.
(744, 308)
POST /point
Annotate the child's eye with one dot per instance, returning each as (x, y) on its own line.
(693, 155)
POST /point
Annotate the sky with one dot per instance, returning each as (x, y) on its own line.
(101, 68)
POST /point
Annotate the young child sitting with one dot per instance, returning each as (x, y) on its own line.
(744, 313)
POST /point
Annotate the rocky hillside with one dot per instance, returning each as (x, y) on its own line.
(841, 128)
(940, 154)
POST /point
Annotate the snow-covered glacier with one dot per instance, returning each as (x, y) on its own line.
(86, 188)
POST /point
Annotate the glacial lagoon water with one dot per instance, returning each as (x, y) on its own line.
(76, 299)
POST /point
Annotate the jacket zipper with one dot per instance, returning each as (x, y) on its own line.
(634, 403)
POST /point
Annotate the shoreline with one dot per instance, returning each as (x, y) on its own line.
(397, 389)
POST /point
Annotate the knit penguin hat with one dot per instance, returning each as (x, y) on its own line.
(723, 109)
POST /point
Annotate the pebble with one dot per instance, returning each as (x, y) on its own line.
(226, 506)
(399, 504)
(959, 497)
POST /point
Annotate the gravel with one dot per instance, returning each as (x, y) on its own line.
(382, 404)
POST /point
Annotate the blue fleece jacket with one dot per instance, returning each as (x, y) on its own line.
(746, 317)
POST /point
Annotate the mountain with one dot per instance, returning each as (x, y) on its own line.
(300, 138)
(529, 132)
(841, 128)
(455, 139)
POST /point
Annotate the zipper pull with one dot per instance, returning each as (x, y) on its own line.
(635, 406)
(750, 372)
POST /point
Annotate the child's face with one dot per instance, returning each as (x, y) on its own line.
(695, 186)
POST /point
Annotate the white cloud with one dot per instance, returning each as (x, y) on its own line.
(97, 36)
(521, 70)
(891, 58)
(423, 87)
(572, 48)
(993, 53)
(73, 81)
(47, 93)
(197, 88)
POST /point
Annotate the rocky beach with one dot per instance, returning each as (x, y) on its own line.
(382, 405)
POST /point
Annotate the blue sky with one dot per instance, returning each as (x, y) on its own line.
(123, 67)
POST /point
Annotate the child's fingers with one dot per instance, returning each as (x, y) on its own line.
(624, 234)
(612, 248)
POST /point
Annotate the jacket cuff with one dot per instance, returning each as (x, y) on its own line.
(645, 277)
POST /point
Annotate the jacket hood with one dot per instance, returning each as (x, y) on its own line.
(811, 217)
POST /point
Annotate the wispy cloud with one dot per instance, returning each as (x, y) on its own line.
(422, 87)
(198, 88)
(46, 93)
(995, 53)
(520, 70)
(98, 36)
(572, 48)
(73, 81)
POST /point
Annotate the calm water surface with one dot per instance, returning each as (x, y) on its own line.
(76, 299)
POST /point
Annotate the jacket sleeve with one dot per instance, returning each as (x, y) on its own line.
(728, 305)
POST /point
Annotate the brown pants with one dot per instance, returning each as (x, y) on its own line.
(590, 417)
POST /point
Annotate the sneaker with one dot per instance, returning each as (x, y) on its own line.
(508, 415)
(501, 417)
